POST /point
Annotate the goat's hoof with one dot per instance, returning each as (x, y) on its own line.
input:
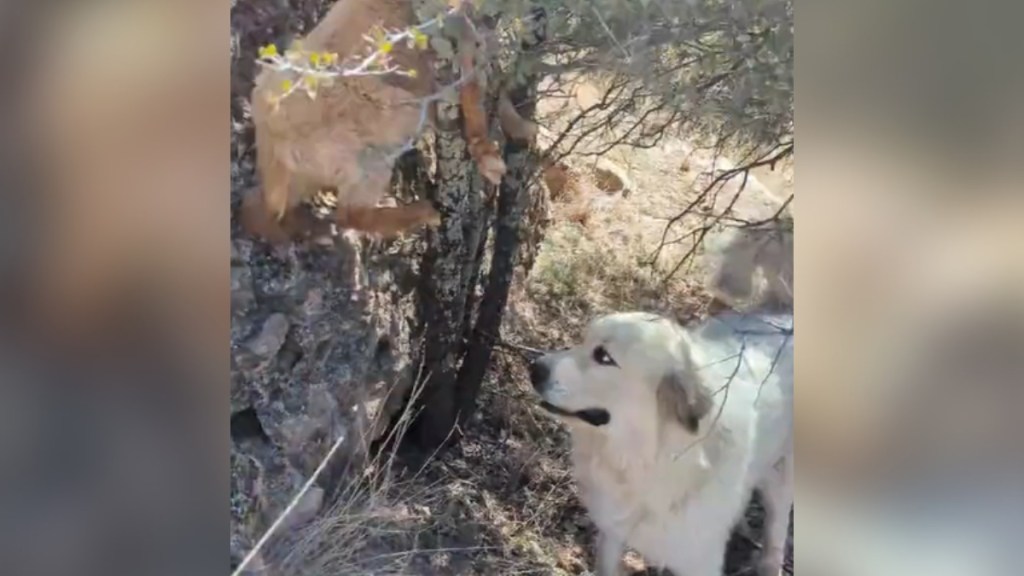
(493, 169)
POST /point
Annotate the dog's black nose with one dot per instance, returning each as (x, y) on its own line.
(539, 374)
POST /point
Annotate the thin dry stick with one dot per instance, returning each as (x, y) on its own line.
(298, 496)
(725, 398)
(291, 506)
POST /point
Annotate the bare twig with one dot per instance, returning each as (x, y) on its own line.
(780, 153)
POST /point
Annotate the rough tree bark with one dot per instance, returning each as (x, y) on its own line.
(442, 286)
(456, 353)
(512, 200)
(474, 266)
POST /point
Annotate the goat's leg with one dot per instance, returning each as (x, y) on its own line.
(474, 122)
(512, 123)
(257, 221)
(474, 114)
(388, 222)
(265, 211)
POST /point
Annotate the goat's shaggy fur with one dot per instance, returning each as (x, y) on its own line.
(347, 138)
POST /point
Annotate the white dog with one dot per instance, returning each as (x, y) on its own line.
(672, 429)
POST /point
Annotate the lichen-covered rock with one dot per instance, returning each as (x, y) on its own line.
(322, 338)
(319, 336)
(243, 506)
(612, 178)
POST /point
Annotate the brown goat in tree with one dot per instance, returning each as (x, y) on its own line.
(347, 138)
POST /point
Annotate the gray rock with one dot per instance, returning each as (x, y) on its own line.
(243, 505)
(612, 178)
(306, 508)
(271, 336)
(319, 338)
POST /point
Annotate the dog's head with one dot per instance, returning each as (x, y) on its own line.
(631, 369)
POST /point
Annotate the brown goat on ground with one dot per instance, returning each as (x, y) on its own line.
(346, 138)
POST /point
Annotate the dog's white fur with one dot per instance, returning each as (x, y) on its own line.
(650, 480)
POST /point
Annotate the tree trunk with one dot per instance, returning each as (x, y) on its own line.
(510, 224)
(475, 267)
(451, 270)
(442, 286)
(512, 202)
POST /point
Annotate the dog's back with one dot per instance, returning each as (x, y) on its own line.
(752, 353)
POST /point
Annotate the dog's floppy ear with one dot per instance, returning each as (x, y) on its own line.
(683, 397)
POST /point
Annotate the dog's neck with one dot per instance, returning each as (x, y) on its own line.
(658, 449)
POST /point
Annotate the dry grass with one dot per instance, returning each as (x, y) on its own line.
(503, 501)
(585, 270)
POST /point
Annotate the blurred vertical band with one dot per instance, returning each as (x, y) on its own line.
(113, 287)
(910, 269)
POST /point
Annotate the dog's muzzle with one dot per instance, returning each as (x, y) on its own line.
(540, 375)
(592, 416)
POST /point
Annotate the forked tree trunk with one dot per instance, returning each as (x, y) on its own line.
(443, 285)
(456, 353)
(512, 202)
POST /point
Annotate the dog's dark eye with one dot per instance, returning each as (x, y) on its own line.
(602, 357)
